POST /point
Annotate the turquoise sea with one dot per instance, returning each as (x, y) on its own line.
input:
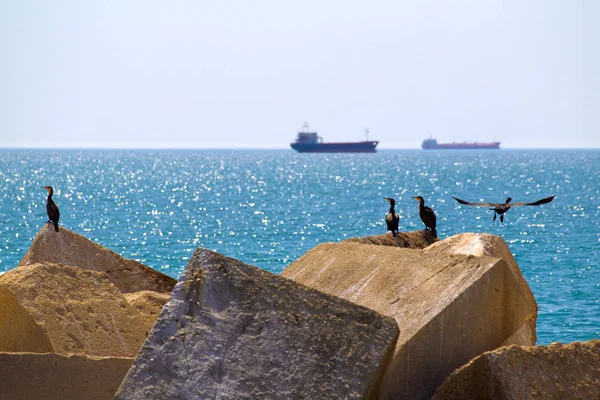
(269, 207)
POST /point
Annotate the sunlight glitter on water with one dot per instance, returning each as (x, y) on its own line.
(269, 208)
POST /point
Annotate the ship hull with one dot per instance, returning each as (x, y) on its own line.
(344, 147)
(463, 146)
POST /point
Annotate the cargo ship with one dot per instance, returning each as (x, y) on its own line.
(311, 142)
(432, 144)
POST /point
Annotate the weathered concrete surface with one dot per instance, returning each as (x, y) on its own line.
(409, 240)
(63, 309)
(148, 304)
(556, 372)
(449, 308)
(233, 331)
(32, 376)
(484, 244)
(69, 248)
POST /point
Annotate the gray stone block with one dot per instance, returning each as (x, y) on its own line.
(234, 331)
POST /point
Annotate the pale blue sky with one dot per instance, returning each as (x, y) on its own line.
(201, 74)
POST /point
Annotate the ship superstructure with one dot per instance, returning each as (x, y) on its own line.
(311, 142)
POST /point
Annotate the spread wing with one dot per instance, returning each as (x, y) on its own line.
(535, 203)
(468, 203)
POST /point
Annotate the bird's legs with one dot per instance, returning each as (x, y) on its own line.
(494, 216)
(502, 218)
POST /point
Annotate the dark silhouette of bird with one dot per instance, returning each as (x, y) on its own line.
(501, 208)
(427, 215)
(391, 218)
(52, 208)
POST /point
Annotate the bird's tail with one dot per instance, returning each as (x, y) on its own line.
(434, 232)
(55, 226)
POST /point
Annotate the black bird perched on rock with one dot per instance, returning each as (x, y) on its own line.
(427, 215)
(500, 209)
(52, 208)
(391, 218)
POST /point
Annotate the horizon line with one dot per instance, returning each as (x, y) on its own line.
(281, 148)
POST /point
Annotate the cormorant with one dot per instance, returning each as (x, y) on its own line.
(52, 208)
(391, 218)
(427, 215)
(500, 209)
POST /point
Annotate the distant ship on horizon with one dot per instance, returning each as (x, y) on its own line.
(311, 142)
(432, 144)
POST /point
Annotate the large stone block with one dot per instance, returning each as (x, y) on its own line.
(148, 304)
(553, 372)
(29, 376)
(449, 307)
(63, 309)
(233, 331)
(69, 248)
(484, 244)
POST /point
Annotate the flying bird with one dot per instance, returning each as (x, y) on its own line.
(52, 208)
(427, 215)
(501, 208)
(391, 218)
